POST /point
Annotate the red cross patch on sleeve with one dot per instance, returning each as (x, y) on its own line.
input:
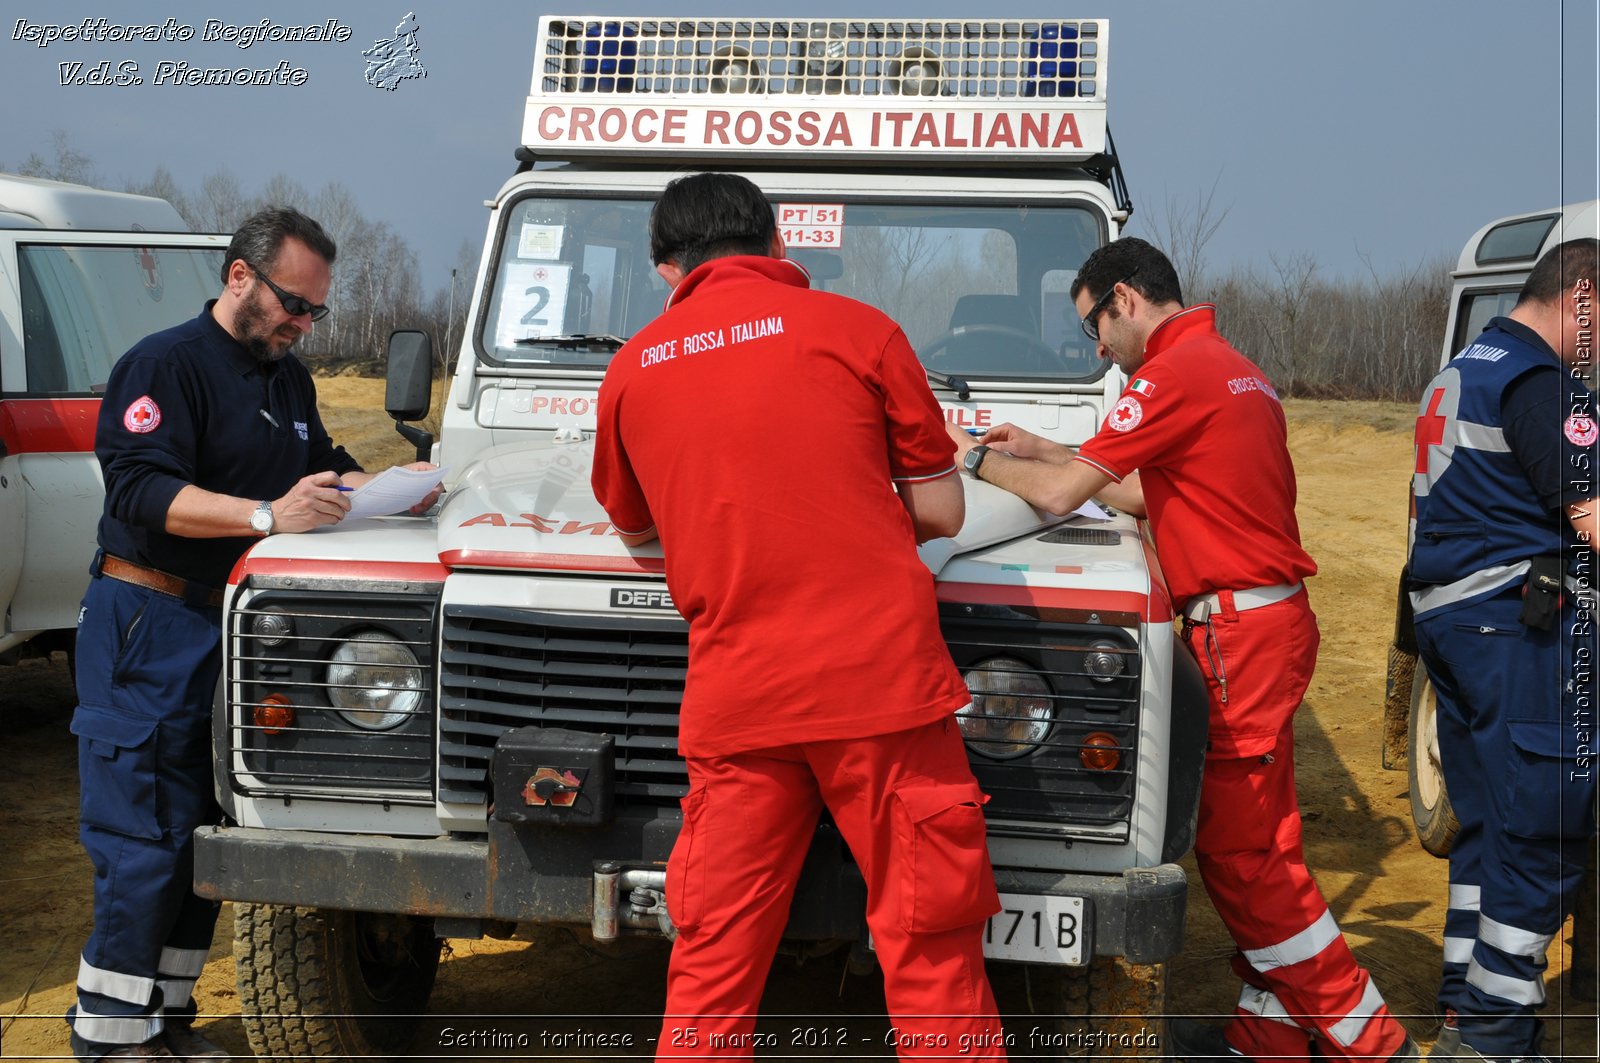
(1126, 414)
(1581, 430)
(143, 415)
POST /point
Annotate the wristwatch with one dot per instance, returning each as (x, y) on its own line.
(974, 459)
(261, 518)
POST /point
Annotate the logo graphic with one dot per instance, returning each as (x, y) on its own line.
(1581, 430)
(1126, 414)
(301, 430)
(394, 60)
(150, 267)
(1142, 387)
(142, 416)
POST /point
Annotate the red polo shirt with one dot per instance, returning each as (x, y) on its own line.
(1206, 433)
(759, 427)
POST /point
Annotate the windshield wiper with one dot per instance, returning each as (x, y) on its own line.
(956, 384)
(573, 342)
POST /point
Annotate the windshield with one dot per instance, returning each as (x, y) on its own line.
(981, 291)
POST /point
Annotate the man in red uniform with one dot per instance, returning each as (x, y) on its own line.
(817, 673)
(1196, 443)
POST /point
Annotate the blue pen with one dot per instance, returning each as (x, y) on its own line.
(976, 431)
(342, 487)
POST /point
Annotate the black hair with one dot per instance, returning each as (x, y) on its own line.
(1560, 269)
(1133, 261)
(261, 236)
(709, 215)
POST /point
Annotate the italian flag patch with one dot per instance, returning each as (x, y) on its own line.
(1142, 386)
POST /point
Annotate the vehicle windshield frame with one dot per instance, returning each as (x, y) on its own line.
(1054, 322)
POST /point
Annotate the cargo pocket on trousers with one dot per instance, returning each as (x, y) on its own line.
(1543, 799)
(686, 875)
(946, 881)
(117, 772)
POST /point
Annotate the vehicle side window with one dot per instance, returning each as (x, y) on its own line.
(84, 307)
(1476, 310)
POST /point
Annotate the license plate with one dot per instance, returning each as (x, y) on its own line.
(1036, 929)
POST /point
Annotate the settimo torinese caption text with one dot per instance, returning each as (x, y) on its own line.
(171, 71)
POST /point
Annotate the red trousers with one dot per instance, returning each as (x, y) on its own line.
(910, 811)
(1301, 980)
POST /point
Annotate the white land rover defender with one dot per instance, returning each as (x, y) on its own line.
(441, 726)
(84, 275)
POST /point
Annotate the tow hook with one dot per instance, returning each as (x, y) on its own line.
(645, 906)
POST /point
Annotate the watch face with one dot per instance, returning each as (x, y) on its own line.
(974, 456)
(261, 520)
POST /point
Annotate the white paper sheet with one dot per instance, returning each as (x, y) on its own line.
(394, 490)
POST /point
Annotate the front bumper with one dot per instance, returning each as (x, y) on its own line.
(546, 875)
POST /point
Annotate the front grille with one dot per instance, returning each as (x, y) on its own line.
(506, 668)
(1048, 785)
(503, 668)
(301, 726)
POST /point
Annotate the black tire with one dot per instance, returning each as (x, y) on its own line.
(1431, 811)
(329, 984)
(1112, 1009)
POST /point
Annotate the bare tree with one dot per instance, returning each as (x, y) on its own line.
(221, 205)
(1183, 229)
(68, 163)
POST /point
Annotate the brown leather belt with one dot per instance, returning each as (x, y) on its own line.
(161, 582)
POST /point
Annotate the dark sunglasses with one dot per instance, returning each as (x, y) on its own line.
(1091, 327)
(293, 305)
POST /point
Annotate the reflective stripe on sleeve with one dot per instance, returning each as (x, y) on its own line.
(1465, 897)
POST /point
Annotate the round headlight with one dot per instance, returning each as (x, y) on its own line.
(1011, 709)
(1104, 661)
(375, 681)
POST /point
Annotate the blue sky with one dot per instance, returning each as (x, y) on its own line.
(1381, 130)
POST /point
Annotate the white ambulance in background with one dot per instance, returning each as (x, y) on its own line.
(84, 275)
(449, 726)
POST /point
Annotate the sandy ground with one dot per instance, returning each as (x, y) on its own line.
(1387, 893)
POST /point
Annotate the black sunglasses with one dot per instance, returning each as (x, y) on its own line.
(1090, 326)
(293, 305)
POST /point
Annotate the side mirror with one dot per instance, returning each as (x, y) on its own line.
(409, 377)
(408, 386)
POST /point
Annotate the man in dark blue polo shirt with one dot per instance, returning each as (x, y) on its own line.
(208, 439)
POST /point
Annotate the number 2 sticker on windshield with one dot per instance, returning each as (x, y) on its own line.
(533, 303)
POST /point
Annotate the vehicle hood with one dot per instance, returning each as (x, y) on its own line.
(528, 505)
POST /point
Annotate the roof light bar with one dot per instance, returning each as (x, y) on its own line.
(1031, 92)
(968, 59)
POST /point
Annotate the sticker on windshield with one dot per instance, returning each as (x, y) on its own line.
(811, 224)
(539, 241)
(533, 302)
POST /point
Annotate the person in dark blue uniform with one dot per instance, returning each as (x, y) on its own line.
(208, 439)
(1501, 578)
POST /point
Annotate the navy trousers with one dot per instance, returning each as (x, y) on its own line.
(1516, 734)
(147, 671)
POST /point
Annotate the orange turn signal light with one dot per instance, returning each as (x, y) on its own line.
(274, 714)
(1099, 752)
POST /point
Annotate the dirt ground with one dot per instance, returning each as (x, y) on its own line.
(1387, 893)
